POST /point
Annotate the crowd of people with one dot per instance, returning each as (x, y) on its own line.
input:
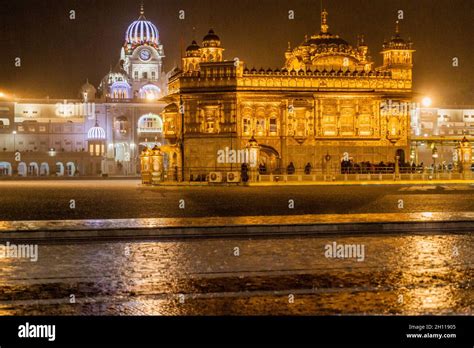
(351, 167)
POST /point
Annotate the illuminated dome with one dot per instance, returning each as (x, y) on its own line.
(193, 50)
(326, 43)
(96, 133)
(142, 31)
(327, 51)
(211, 39)
(87, 91)
(397, 42)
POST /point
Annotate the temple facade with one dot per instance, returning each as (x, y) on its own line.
(326, 104)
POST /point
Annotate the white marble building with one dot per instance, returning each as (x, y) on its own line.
(102, 131)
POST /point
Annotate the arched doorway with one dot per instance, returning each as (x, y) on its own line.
(33, 169)
(270, 157)
(44, 169)
(22, 170)
(70, 169)
(5, 169)
(59, 169)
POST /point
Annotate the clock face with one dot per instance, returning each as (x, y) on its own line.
(145, 54)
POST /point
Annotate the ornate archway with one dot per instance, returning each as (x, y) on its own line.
(270, 157)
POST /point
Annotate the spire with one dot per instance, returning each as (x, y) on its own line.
(289, 46)
(397, 28)
(142, 10)
(324, 22)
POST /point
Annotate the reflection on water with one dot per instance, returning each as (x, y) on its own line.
(411, 274)
(442, 254)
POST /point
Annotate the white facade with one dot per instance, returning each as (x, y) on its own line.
(455, 121)
(139, 71)
(100, 133)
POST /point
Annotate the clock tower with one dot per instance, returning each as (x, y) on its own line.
(142, 55)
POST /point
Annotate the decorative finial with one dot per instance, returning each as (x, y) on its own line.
(324, 21)
(289, 46)
(306, 38)
(397, 27)
(142, 9)
(362, 40)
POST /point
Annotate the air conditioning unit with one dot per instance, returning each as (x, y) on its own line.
(233, 177)
(215, 177)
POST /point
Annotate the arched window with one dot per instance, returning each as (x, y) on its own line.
(120, 90)
(150, 92)
(273, 125)
(150, 123)
(260, 128)
(247, 128)
(122, 125)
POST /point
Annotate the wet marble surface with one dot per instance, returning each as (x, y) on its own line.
(118, 199)
(308, 219)
(400, 274)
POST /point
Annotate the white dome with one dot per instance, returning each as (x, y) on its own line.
(142, 31)
(96, 133)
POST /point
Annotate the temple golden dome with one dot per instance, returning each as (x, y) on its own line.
(211, 39)
(397, 42)
(327, 51)
(193, 50)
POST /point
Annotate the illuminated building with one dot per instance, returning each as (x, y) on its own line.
(443, 128)
(328, 99)
(102, 131)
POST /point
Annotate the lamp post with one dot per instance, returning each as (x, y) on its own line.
(254, 151)
(14, 140)
(181, 140)
(465, 157)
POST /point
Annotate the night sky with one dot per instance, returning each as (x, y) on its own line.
(58, 54)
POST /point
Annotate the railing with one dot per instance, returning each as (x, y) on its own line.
(202, 175)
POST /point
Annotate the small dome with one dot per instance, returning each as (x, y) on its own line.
(96, 133)
(87, 89)
(211, 39)
(193, 50)
(397, 42)
(115, 75)
(193, 47)
(142, 31)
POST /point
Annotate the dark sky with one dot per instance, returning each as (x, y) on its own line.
(58, 54)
